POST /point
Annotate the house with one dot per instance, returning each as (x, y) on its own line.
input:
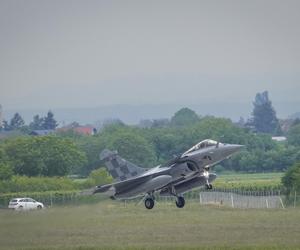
(85, 130)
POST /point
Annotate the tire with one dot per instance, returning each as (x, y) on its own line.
(39, 207)
(149, 203)
(180, 202)
(208, 186)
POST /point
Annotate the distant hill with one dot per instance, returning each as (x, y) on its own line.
(132, 114)
(295, 116)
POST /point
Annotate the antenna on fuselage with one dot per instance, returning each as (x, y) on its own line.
(218, 142)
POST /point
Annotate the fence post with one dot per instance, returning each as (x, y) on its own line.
(281, 202)
(200, 198)
(232, 201)
(295, 199)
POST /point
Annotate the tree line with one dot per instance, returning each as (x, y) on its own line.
(263, 119)
(72, 153)
(38, 123)
(68, 152)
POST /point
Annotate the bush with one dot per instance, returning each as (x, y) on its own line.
(6, 171)
(45, 155)
(291, 179)
(219, 169)
(97, 177)
(36, 184)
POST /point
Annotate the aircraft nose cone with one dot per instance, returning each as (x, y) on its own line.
(237, 146)
(232, 148)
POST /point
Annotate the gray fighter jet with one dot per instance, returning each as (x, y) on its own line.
(181, 174)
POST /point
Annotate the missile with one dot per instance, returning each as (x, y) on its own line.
(188, 185)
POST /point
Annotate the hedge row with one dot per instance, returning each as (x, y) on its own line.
(50, 198)
(36, 184)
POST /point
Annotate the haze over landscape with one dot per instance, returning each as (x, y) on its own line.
(135, 59)
(112, 108)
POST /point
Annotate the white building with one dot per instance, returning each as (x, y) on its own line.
(279, 138)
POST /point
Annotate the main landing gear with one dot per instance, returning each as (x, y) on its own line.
(150, 201)
(180, 202)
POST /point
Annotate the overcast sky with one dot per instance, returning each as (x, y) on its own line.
(96, 53)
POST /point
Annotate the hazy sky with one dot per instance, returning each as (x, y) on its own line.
(93, 53)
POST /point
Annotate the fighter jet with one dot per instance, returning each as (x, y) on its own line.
(181, 174)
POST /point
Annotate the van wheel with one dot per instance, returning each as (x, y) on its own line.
(39, 207)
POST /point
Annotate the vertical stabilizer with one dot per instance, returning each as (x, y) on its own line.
(119, 168)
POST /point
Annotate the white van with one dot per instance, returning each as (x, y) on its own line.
(24, 204)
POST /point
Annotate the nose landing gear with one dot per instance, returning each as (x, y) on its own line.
(206, 176)
(208, 186)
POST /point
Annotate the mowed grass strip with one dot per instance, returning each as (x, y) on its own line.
(259, 181)
(111, 225)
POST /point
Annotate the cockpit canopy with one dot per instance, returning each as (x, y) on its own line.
(203, 144)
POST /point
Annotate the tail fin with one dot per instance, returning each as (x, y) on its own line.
(119, 168)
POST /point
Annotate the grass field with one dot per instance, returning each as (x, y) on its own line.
(248, 181)
(111, 225)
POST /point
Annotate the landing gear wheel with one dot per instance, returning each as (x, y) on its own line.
(149, 203)
(180, 202)
(208, 186)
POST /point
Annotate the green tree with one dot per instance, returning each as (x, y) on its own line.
(296, 122)
(6, 126)
(164, 143)
(37, 123)
(60, 156)
(92, 146)
(183, 117)
(160, 123)
(291, 179)
(46, 156)
(99, 177)
(49, 121)
(6, 170)
(133, 147)
(293, 135)
(16, 122)
(264, 115)
(155, 145)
